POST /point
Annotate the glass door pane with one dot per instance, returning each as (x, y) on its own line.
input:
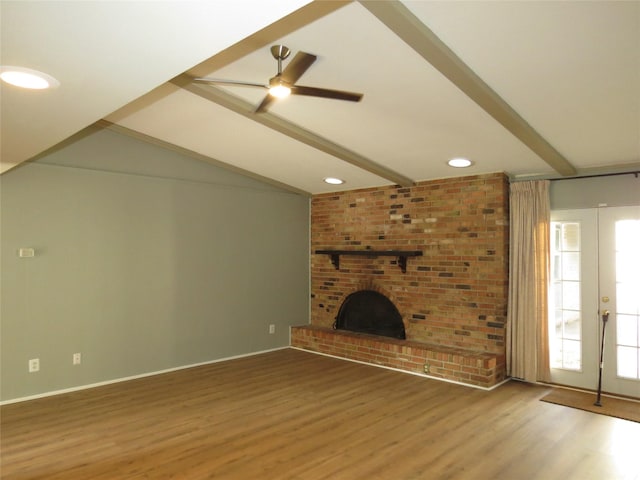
(619, 230)
(628, 298)
(573, 298)
(566, 341)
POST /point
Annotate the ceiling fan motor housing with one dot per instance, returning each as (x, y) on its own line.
(278, 81)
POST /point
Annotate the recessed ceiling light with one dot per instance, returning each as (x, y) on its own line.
(27, 78)
(459, 163)
(333, 181)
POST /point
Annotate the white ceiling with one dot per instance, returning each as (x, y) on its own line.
(568, 71)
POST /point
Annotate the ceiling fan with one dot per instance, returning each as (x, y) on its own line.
(284, 82)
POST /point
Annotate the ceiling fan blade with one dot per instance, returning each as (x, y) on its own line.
(266, 102)
(296, 67)
(235, 83)
(326, 93)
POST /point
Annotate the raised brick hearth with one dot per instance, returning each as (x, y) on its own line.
(453, 298)
(456, 364)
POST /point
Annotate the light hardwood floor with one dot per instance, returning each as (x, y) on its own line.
(291, 414)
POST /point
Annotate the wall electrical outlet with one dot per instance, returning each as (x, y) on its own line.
(426, 368)
(77, 358)
(272, 328)
(34, 365)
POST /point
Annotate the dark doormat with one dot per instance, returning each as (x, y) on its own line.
(613, 407)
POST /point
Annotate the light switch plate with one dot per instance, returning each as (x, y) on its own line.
(26, 252)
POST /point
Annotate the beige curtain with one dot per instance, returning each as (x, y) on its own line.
(527, 313)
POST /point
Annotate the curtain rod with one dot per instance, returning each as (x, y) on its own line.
(635, 174)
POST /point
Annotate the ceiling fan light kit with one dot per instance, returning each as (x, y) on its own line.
(278, 89)
(283, 83)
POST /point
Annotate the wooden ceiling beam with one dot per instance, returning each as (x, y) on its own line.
(190, 153)
(279, 124)
(294, 21)
(402, 22)
(266, 36)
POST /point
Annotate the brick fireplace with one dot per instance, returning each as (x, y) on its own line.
(452, 296)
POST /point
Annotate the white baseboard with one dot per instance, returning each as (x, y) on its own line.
(417, 374)
(134, 377)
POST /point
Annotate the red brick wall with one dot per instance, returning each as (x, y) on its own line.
(455, 295)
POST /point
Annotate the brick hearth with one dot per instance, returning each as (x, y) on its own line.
(456, 364)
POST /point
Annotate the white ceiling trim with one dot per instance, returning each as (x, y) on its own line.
(198, 156)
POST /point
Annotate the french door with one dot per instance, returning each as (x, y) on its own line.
(595, 269)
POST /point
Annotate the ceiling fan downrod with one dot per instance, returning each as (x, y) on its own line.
(280, 52)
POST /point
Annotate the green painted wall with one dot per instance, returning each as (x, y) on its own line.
(614, 191)
(145, 260)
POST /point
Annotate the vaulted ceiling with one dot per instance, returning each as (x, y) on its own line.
(534, 89)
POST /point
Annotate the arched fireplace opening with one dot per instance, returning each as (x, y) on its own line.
(367, 311)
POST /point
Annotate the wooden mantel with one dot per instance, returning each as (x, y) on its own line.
(402, 255)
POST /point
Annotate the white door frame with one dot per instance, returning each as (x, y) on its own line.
(587, 376)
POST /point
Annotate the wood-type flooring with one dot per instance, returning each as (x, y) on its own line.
(291, 414)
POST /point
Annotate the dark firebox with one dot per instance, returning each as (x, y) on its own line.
(368, 311)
